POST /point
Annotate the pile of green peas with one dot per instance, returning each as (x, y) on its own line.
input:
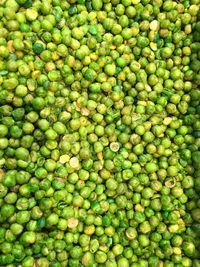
(99, 133)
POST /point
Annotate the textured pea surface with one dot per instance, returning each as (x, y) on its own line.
(99, 133)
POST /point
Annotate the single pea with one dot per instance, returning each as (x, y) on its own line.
(3, 143)
(110, 69)
(38, 48)
(123, 262)
(151, 167)
(172, 170)
(38, 103)
(7, 210)
(3, 130)
(23, 217)
(189, 248)
(100, 257)
(22, 153)
(11, 198)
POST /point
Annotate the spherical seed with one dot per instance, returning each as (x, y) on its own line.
(74, 162)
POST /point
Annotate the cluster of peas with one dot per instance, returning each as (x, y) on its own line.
(99, 133)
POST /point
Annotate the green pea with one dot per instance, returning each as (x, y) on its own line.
(3, 143)
(7, 210)
(189, 248)
(151, 167)
(110, 69)
(76, 252)
(87, 259)
(3, 130)
(111, 184)
(52, 219)
(11, 197)
(123, 262)
(142, 41)
(100, 257)
(28, 261)
(22, 153)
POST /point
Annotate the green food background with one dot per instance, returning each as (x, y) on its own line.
(99, 133)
